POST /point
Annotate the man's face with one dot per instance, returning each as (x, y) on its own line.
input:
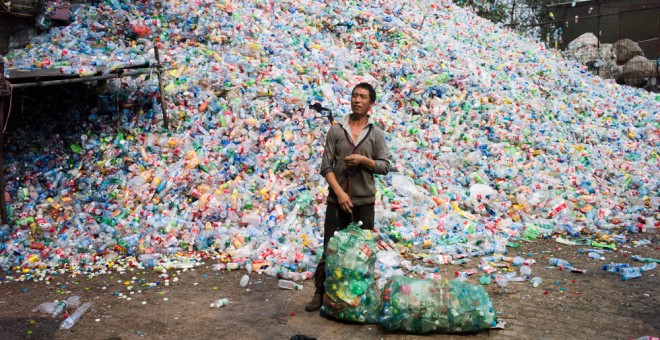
(360, 101)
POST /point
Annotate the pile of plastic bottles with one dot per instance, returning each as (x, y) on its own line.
(424, 306)
(490, 133)
(350, 289)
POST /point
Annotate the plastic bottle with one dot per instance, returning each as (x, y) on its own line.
(75, 317)
(536, 281)
(56, 308)
(630, 273)
(501, 280)
(649, 266)
(559, 262)
(615, 267)
(219, 303)
(244, 281)
(596, 256)
(286, 284)
(461, 276)
(46, 307)
(526, 271)
(59, 308)
(518, 260)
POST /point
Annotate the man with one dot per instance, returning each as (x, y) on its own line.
(355, 150)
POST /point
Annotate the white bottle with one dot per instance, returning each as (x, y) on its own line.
(220, 303)
(286, 284)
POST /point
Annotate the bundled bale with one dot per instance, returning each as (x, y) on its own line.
(350, 290)
(423, 306)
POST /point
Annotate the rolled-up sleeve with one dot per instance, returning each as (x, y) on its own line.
(382, 156)
(328, 159)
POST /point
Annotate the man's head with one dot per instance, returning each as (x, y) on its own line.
(363, 98)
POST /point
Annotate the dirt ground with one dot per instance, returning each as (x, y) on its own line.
(595, 305)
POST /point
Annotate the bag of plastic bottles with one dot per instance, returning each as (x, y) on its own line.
(351, 293)
(423, 306)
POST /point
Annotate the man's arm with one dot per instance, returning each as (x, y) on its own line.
(343, 199)
(382, 157)
(327, 171)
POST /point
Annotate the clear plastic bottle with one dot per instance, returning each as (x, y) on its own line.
(219, 303)
(596, 256)
(526, 271)
(286, 284)
(75, 317)
(649, 266)
(501, 280)
(559, 262)
(536, 281)
(56, 308)
(244, 281)
(46, 307)
(630, 273)
(461, 276)
(615, 267)
(518, 260)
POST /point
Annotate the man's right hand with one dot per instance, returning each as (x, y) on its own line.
(344, 202)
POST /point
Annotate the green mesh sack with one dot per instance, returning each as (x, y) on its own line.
(350, 290)
(422, 306)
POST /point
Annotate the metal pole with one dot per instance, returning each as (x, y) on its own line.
(657, 63)
(598, 37)
(79, 80)
(159, 67)
(584, 17)
(3, 205)
(563, 28)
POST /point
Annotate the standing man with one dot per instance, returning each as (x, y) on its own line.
(355, 150)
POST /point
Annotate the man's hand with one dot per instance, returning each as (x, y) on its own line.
(354, 160)
(344, 202)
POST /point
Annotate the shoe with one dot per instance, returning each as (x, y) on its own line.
(316, 303)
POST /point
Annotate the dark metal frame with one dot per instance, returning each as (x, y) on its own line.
(120, 73)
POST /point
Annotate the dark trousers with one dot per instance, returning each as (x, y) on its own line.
(337, 219)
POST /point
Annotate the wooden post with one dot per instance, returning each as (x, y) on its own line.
(600, 63)
(3, 205)
(159, 67)
(513, 9)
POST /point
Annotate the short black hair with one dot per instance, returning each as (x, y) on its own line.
(368, 87)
